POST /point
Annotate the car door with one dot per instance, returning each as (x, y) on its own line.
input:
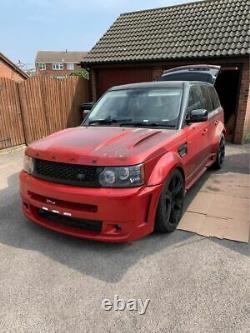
(208, 105)
(196, 135)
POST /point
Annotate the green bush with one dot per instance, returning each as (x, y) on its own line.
(80, 72)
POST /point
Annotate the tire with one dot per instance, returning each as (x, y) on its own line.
(170, 206)
(220, 155)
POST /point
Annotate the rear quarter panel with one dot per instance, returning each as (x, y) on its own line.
(217, 129)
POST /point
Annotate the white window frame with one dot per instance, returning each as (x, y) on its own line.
(70, 66)
(41, 66)
(60, 77)
(58, 66)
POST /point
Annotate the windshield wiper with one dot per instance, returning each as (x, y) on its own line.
(107, 121)
(147, 124)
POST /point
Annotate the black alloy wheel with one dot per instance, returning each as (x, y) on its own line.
(170, 207)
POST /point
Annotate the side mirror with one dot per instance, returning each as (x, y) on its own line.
(85, 108)
(197, 116)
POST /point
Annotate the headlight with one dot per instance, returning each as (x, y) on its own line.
(129, 176)
(28, 164)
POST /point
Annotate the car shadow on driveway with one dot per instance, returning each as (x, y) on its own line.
(104, 261)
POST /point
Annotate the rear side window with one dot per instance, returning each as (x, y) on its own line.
(195, 99)
(207, 101)
(214, 97)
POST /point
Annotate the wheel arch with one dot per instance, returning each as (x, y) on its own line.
(164, 167)
(180, 168)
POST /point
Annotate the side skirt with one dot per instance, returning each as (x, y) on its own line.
(194, 180)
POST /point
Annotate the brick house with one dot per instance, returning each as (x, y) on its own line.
(11, 71)
(58, 64)
(139, 46)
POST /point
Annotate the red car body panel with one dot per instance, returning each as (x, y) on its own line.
(132, 209)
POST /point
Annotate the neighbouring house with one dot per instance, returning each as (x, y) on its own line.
(139, 46)
(58, 64)
(11, 71)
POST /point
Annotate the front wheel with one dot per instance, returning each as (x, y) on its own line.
(170, 206)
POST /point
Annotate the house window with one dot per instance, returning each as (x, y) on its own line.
(41, 66)
(58, 67)
(70, 66)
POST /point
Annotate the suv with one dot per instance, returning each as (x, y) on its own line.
(124, 172)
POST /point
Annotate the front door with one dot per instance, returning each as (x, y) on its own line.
(197, 134)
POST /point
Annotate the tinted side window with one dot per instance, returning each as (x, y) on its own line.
(214, 98)
(194, 99)
(206, 98)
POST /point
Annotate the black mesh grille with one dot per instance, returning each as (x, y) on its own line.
(72, 174)
(90, 225)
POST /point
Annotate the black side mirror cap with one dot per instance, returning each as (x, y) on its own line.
(84, 107)
(197, 116)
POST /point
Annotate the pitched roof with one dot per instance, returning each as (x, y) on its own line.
(211, 28)
(13, 66)
(61, 56)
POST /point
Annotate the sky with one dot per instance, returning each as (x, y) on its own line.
(27, 26)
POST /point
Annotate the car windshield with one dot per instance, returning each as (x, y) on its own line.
(137, 107)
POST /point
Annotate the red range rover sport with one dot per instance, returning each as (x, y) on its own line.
(124, 172)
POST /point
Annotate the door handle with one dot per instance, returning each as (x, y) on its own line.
(204, 131)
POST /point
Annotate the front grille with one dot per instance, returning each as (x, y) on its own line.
(72, 174)
(89, 225)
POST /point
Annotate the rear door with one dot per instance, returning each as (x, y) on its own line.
(202, 73)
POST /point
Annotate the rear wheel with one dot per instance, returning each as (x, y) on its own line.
(220, 155)
(170, 206)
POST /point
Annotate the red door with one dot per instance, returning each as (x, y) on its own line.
(107, 78)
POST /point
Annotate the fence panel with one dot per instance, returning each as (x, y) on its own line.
(49, 105)
(33, 109)
(11, 127)
(39, 106)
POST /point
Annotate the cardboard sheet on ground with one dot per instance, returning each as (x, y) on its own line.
(218, 215)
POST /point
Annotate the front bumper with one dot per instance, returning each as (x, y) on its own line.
(125, 214)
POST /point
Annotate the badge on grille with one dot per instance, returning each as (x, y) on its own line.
(80, 176)
(50, 202)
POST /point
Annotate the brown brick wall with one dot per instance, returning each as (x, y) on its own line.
(9, 73)
(243, 112)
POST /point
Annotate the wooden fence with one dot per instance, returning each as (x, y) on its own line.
(39, 106)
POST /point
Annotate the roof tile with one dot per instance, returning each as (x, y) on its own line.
(205, 28)
(60, 56)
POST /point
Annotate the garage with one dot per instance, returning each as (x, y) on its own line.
(109, 77)
(139, 46)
